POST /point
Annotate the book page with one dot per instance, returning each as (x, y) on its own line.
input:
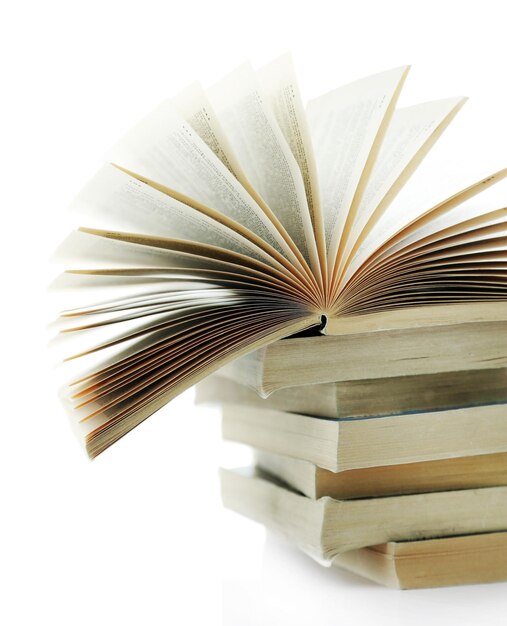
(347, 126)
(195, 108)
(403, 221)
(454, 223)
(81, 249)
(205, 255)
(466, 251)
(165, 149)
(463, 269)
(410, 135)
(440, 177)
(137, 347)
(140, 269)
(147, 281)
(104, 253)
(116, 201)
(279, 85)
(486, 236)
(487, 197)
(264, 155)
(188, 363)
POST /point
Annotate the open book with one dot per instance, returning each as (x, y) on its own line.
(234, 217)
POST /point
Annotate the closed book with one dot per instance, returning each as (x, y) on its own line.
(339, 444)
(370, 397)
(327, 527)
(468, 472)
(392, 344)
(441, 562)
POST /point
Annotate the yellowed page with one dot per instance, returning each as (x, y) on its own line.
(474, 226)
(479, 209)
(346, 126)
(101, 431)
(463, 155)
(112, 267)
(165, 149)
(280, 87)
(264, 154)
(405, 222)
(114, 200)
(195, 108)
(411, 133)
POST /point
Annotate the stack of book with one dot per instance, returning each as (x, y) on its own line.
(380, 450)
(231, 220)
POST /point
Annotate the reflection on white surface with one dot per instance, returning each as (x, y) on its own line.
(293, 589)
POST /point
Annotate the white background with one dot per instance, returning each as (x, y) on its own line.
(139, 535)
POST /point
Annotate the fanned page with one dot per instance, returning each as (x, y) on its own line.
(265, 156)
(281, 90)
(348, 126)
(409, 137)
(228, 219)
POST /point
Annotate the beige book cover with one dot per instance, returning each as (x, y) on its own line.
(441, 562)
(342, 445)
(327, 527)
(369, 397)
(467, 472)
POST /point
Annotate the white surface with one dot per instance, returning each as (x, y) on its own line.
(139, 536)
